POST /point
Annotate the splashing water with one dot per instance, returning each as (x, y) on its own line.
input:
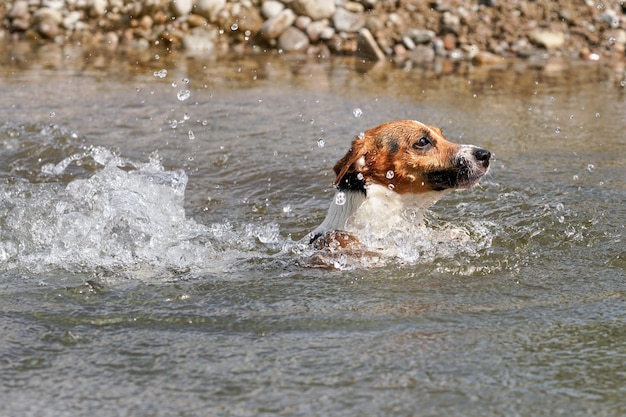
(128, 216)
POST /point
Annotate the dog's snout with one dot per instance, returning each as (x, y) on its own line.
(482, 155)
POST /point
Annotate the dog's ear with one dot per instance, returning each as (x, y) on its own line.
(353, 161)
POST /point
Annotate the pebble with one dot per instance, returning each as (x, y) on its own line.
(271, 8)
(481, 32)
(273, 27)
(181, 7)
(293, 39)
(209, 9)
(367, 46)
(547, 39)
(315, 9)
(345, 21)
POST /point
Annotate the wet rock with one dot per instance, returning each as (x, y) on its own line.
(547, 39)
(314, 30)
(293, 39)
(315, 9)
(272, 28)
(487, 58)
(19, 16)
(47, 22)
(302, 22)
(451, 23)
(98, 7)
(209, 9)
(271, 8)
(199, 41)
(367, 47)
(611, 18)
(181, 7)
(72, 19)
(421, 54)
(345, 21)
(194, 20)
(420, 36)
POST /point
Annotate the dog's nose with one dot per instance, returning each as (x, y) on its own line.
(482, 155)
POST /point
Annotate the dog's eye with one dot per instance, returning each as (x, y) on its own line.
(423, 143)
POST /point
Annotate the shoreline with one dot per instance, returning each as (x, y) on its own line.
(404, 32)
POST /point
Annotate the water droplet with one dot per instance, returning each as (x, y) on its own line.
(557, 130)
(597, 115)
(591, 167)
(287, 209)
(185, 80)
(359, 176)
(186, 117)
(390, 174)
(234, 27)
(174, 84)
(173, 124)
(183, 95)
(622, 83)
(575, 177)
(474, 95)
(559, 207)
(321, 143)
(361, 135)
(530, 108)
(612, 40)
(357, 112)
(191, 135)
(391, 187)
(551, 98)
(161, 73)
(52, 114)
(340, 198)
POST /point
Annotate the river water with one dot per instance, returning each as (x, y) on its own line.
(151, 209)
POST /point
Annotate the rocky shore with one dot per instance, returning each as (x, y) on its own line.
(482, 31)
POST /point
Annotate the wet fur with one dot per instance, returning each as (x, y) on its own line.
(390, 167)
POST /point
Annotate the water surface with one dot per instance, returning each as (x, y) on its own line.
(149, 262)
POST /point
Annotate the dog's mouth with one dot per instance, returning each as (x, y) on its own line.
(462, 174)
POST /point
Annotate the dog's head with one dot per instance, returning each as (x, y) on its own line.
(410, 157)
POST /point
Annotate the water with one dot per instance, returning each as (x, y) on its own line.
(145, 270)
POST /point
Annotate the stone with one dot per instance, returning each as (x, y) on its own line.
(181, 7)
(302, 22)
(327, 33)
(367, 47)
(72, 18)
(271, 8)
(420, 36)
(315, 9)
(451, 23)
(209, 9)
(314, 29)
(293, 39)
(19, 10)
(487, 58)
(422, 54)
(195, 20)
(549, 40)
(345, 21)
(272, 28)
(199, 41)
(99, 7)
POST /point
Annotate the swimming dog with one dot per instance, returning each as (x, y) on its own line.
(397, 165)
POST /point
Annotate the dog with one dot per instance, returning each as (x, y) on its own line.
(392, 167)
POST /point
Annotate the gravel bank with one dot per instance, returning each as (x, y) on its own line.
(483, 31)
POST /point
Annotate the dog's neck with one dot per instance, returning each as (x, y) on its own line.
(378, 207)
